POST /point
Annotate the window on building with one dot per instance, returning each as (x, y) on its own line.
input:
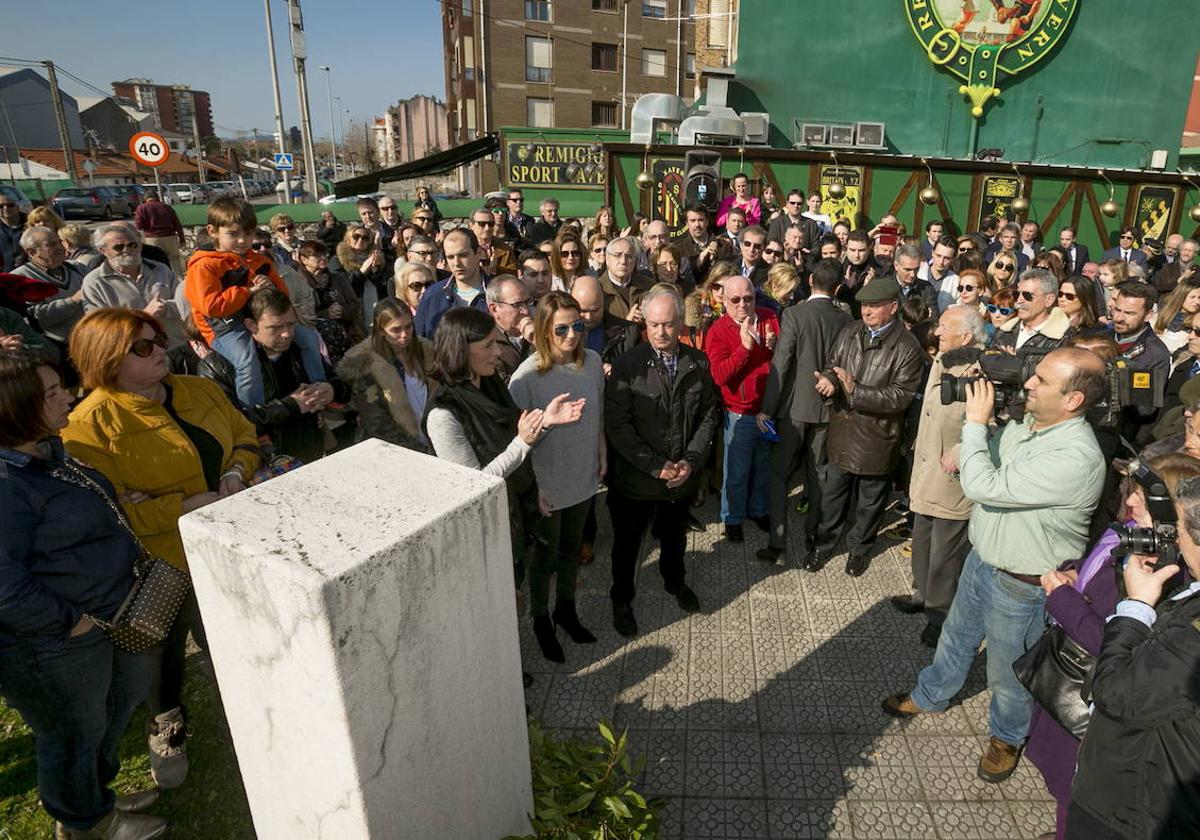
(654, 8)
(537, 10)
(654, 62)
(538, 66)
(604, 114)
(470, 114)
(604, 5)
(690, 65)
(690, 8)
(468, 57)
(468, 8)
(718, 24)
(604, 57)
(539, 113)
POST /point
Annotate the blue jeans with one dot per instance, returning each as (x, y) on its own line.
(237, 347)
(77, 700)
(1009, 614)
(745, 490)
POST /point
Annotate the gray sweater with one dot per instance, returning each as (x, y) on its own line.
(566, 461)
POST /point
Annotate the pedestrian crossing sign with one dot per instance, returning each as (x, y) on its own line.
(283, 160)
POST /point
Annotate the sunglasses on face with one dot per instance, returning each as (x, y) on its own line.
(481, 222)
(1195, 331)
(1127, 236)
(1004, 266)
(752, 246)
(573, 254)
(358, 238)
(285, 227)
(735, 300)
(1068, 295)
(1026, 296)
(999, 310)
(422, 219)
(795, 203)
(516, 199)
(962, 249)
(775, 252)
(962, 289)
(420, 284)
(143, 347)
(561, 330)
(599, 250)
(122, 247)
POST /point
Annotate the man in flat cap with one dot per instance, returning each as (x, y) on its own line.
(872, 375)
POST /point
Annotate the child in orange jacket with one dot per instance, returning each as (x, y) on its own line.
(218, 287)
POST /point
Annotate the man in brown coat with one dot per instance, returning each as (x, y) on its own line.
(941, 511)
(622, 285)
(873, 374)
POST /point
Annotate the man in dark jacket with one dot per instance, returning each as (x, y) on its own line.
(623, 287)
(660, 418)
(806, 336)
(508, 302)
(698, 244)
(1140, 347)
(905, 269)
(793, 216)
(603, 332)
(752, 241)
(290, 408)
(872, 375)
(519, 222)
(1139, 764)
(548, 226)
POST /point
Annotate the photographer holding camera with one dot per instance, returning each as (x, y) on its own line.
(1034, 485)
(1139, 764)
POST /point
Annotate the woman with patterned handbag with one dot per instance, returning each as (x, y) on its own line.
(64, 559)
(169, 444)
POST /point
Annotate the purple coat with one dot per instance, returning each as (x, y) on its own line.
(1050, 747)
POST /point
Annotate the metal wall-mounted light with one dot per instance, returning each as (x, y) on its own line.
(1194, 213)
(1109, 208)
(931, 194)
(1020, 204)
(837, 188)
(644, 179)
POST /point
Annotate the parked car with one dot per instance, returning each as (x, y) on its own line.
(135, 194)
(183, 191)
(15, 195)
(91, 203)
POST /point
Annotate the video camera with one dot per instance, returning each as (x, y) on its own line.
(1008, 373)
(1160, 539)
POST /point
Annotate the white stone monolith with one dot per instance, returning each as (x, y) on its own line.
(360, 618)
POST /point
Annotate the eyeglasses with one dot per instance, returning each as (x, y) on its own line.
(775, 252)
(735, 300)
(963, 249)
(599, 250)
(517, 199)
(561, 330)
(143, 347)
(962, 289)
(573, 254)
(1003, 266)
(481, 222)
(1026, 296)
(1068, 295)
(999, 310)
(412, 252)
(1127, 236)
(794, 203)
(420, 284)
(520, 304)
(286, 227)
(122, 247)
(357, 237)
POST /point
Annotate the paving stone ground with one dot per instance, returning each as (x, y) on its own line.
(759, 717)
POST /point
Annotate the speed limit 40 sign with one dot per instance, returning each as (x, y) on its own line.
(149, 149)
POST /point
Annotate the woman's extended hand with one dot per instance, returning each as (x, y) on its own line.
(559, 412)
(529, 427)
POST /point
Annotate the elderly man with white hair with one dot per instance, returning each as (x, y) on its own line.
(125, 279)
(941, 511)
(654, 237)
(48, 262)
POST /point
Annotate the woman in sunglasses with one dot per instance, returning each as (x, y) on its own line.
(1003, 270)
(426, 203)
(168, 444)
(1176, 312)
(999, 310)
(605, 223)
(337, 308)
(567, 258)
(364, 263)
(973, 289)
(597, 244)
(413, 279)
(664, 264)
(569, 463)
(1076, 298)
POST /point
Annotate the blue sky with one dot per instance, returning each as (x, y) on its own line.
(379, 51)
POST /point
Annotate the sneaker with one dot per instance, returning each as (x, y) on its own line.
(687, 600)
(168, 748)
(998, 761)
(901, 706)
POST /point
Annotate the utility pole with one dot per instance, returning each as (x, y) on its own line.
(299, 56)
(624, 59)
(61, 117)
(199, 147)
(332, 127)
(287, 192)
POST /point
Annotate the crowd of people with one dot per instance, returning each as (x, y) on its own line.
(779, 358)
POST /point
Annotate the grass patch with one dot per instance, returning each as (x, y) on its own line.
(211, 805)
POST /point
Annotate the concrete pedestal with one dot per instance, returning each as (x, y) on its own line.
(360, 618)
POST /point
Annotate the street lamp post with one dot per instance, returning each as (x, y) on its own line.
(332, 128)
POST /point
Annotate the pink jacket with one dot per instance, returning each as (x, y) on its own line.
(752, 207)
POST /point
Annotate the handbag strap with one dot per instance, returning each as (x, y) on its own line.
(72, 474)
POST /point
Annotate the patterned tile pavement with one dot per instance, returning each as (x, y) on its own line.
(759, 717)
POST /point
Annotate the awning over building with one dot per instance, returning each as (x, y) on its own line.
(435, 164)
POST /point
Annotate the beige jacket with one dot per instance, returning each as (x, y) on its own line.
(933, 492)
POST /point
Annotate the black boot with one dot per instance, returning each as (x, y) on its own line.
(543, 631)
(566, 618)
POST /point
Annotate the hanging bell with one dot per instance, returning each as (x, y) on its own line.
(837, 190)
(1110, 208)
(1020, 205)
(930, 195)
(571, 170)
(644, 180)
(1195, 214)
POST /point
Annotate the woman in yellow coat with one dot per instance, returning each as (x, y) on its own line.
(169, 444)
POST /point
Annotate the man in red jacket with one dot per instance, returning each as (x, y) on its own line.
(739, 348)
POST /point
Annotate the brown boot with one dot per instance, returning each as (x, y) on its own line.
(901, 706)
(998, 761)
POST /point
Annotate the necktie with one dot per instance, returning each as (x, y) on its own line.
(671, 363)
(1195, 369)
(1125, 256)
(745, 270)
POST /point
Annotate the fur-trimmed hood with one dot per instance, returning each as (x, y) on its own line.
(370, 373)
(1055, 327)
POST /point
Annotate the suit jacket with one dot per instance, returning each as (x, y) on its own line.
(618, 300)
(511, 356)
(806, 335)
(689, 249)
(1135, 255)
(758, 272)
(1081, 256)
(780, 224)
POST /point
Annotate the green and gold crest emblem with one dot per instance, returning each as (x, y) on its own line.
(978, 40)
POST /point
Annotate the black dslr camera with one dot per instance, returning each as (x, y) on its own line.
(1160, 539)
(1005, 371)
